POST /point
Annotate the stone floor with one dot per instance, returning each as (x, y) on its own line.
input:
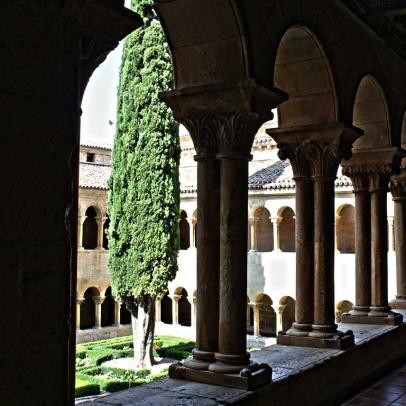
(390, 390)
(286, 361)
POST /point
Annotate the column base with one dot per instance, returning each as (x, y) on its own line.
(339, 341)
(399, 302)
(373, 317)
(200, 360)
(299, 330)
(250, 377)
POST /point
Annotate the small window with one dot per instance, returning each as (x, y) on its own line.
(89, 157)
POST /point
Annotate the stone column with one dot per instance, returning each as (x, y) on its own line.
(275, 225)
(175, 309)
(362, 243)
(398, 189)
(80, 233)
(100, 232)
(370, 171)
(98, 300)
(257, 314)
(315, 153)
(253, 233)
(193, 311)
(391, 240)
(158, 310)
(117, 316)
(379, 245)
(222, 121)
(79, 302)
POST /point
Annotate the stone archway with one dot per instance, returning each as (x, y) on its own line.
(263, 230)
(166, 309)
(90, 229)
(184, 307)
(184, 230)
(345, 232)
(264, 316)
(88, 309)
(107, 309)
(287, 230)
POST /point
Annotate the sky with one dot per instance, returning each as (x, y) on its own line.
(99, 103)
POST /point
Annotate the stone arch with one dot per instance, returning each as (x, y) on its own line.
(184, 307)
(345, 229)
(166, 309)
(125, 314)
(265, 315)
(371, 114)
(302, 70)
(88, 309)
(107, 309)
(286, 312)
(184, 230)
(286, 218)
(263, 230)
(343, 306)
(89, 239)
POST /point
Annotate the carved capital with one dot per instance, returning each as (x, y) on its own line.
(98, 299)
(398, 187)
(311, 158)
(370, 178)
(80, 301)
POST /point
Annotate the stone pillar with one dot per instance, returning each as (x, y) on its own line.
(398, 189)
(253, 233)
(193, 311)
(98, 300)
(257, 316)
(370, 171)
(79, 302)
(175, 309)
(117, 316)
(391, 234)
(80, 233)
(315, 153)
(360, 183)
(100, 232)
(158, 310)
(275, 226)
(222, 122)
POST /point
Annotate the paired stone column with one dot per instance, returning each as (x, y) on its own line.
(98, 301)
(370, 172)
(275, 226)
(79, 302)
(222, 122)
(100, 232)
(315, 153)
(253, 233)
(80, 233)
(398, 189)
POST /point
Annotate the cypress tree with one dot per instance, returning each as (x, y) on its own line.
(144, 186)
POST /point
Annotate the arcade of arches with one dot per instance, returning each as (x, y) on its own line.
(335, 72)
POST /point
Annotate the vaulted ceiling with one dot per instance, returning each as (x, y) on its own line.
(386, 17)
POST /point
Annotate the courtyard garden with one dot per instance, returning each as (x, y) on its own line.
(92, 377)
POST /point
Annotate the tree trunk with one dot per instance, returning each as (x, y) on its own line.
(143, 325)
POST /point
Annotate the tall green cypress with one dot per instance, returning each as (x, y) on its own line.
(144, 186)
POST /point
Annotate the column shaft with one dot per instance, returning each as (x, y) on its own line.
(253, 233)
(175, 310)
(304, 258)
(275, 227)
(324, 310)
(117, 320)
(400, 238)
(208, 257)
(257, 314)
(98, 314)
(362, 253)
(379, 254)
(233, 257)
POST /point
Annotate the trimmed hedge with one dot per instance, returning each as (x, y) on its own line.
(84, 388)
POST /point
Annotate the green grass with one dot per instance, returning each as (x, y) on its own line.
(90, 356)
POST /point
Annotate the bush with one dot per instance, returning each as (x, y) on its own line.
(83, 388)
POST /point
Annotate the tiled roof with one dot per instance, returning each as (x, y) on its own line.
(94, 176)
(94, 145)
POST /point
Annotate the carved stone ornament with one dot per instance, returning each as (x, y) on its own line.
(312, 158)
(369, 177)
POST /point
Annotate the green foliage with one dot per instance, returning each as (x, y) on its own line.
(144, 187)
(85, 388)
(90, 356)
